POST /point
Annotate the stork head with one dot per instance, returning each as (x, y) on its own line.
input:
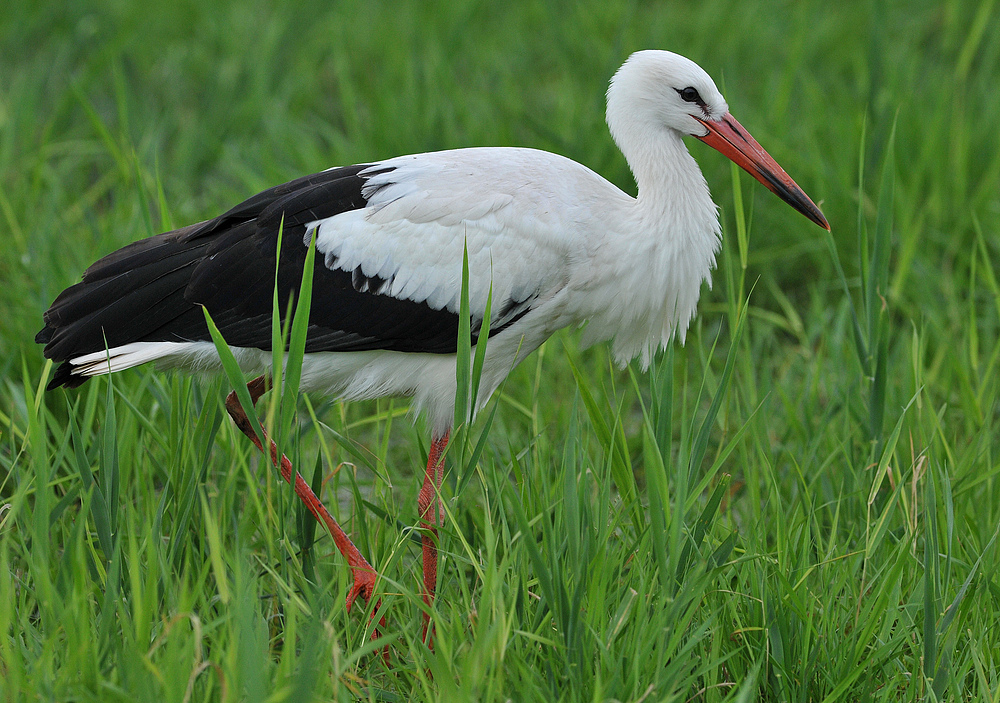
(660, 90)
(666, 90)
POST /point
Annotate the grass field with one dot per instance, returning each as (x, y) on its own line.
(799, 507)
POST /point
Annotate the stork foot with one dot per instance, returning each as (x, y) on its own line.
(364, 575)
(364, 586)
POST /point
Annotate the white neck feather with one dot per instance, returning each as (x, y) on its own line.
(669, 239)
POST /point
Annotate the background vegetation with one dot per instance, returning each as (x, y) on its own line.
(799, 507)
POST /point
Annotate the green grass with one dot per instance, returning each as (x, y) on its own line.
(801, 506)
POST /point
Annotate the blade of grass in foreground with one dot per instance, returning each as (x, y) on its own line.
(233, 372)
(279, 337)
(469, 372)
(463, 352)
(300, 331)
(110, 468)
(292, 371)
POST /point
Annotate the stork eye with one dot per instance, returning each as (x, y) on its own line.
(690, 95)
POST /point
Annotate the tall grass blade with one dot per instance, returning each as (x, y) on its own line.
(480, 358)
(701, 526)
(610, 438)
(661, 381)
(300, 331)
(291, 369)
(279, 328)
(932, 566)
(742, 239)
(215, 550)
(186, 491)
(878, 280)
(110, 474)
(887, 450)
(658, 492)
(860, 347)
(700, 445)
(233, 373)
(463, 352)
(467, 466)
(864, 253)
(724, 454)
(470, 466)
(542, 569)
(98, 505)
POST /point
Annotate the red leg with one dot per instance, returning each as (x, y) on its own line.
(364, 574)
(431, 514)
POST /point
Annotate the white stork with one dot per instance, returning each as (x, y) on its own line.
(558, 243)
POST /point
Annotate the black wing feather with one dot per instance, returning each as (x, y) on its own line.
(153, 290)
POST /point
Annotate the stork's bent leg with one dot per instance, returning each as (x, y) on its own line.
(431, 515)
(364, 574)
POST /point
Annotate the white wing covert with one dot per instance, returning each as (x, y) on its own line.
(423, 211)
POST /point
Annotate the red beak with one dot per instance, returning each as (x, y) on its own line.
(728, 137)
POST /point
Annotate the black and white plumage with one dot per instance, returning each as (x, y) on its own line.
(559, 245)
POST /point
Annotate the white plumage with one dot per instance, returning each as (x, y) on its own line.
(558, 244)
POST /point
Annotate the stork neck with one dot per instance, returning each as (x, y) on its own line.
(671, 188)
(654, 269)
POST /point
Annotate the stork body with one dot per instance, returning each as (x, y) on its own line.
(550, 243)
(556, 242)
